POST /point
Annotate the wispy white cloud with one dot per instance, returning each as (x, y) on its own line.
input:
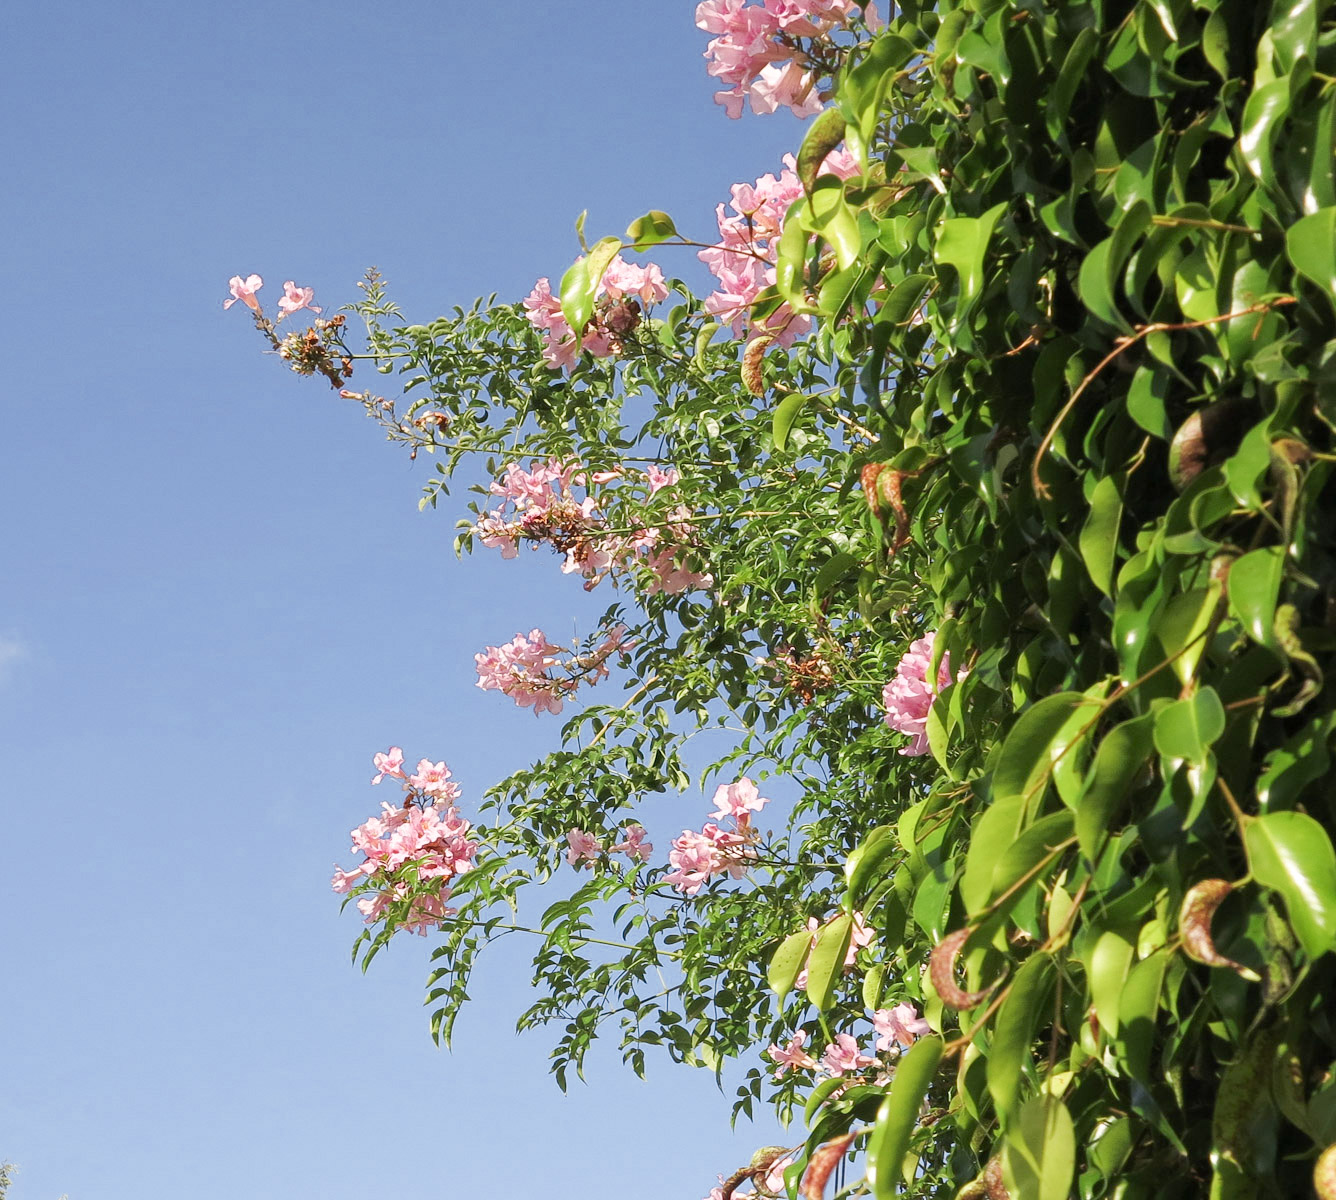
(12, 651)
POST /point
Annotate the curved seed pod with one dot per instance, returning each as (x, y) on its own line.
(734, 1181)
(821, 1164)
(1209, 436)
(1194, 923)
(976, 1190)
(1324, 1174)
(942, 972)
(992, 1180)
(752, 359)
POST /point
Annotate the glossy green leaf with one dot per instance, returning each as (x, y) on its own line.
(1291, 853)
(1262, 117)
(1098, 540)
(898, 1115)
(1301, 760)
(790, 258)
(835, 570)
(651, 229)
(996, 828)
(1253, 589)
(1036, 844)
(580, 283)
(786, 413)
(1042, 734)
(829, 215)
(787, 962)
(1138, 1009)
(1010, 1050)
(1039, 1153)
(962, 243)
(825, 964)
(1120, 759)
(1179, 633)
(1188, 728)
(867, 863)
(1110, 961)
(1310, 244)
(1070, 77)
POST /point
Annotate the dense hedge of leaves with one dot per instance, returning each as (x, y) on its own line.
(1071, 403)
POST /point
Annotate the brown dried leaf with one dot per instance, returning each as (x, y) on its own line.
(942, 971)
(1194, 924)
(821, 1164)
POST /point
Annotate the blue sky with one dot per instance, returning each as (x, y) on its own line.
(219, 599)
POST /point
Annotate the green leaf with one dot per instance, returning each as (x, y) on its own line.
(651, 229)
(1013, 1033)
(787, 962)
(898, 1115)
(1106, 973)
(1262, 116)
(1178, 634)
(1039, 1154)
(580, 283)
(1138, 1007)
(825, 965)
(786, 413)
(1188, 728)
(1290, 768)
(962, 243)
(862, 89)
(790, 257)
(826, 132)
(1246, 465)
(1254, 588)
(1037, 843)
(1291, 853)
(1145, 402)
(1069, 79)
(994, 830)
(867, 863)
(1041, 736)
(1310, 244)
(1098, 540)
(1119, 760)
(1215, 42)
(835, 570)
(1098, 281)
(829, 215)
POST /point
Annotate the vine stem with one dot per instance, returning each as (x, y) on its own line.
(575, 937)
(640, 691)
(1120, 345)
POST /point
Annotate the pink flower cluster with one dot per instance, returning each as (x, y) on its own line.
(758, 50)
(619, 297)
(697, 857)
(294, 298)
(898, 1026)
(743, 260)
(523, 668)
(908, 697)
(410, 852)
(584, 848)
(545, 508)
